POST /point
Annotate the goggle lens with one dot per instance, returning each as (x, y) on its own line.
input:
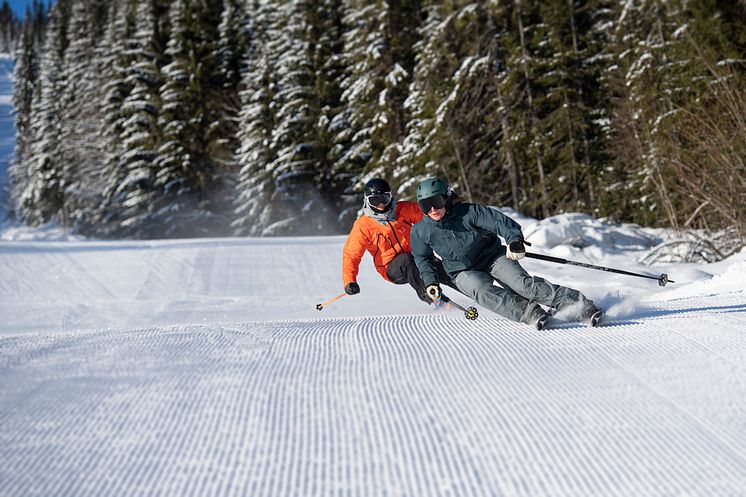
(379, 198)
(436, 202)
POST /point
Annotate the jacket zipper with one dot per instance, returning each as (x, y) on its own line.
(395, 237)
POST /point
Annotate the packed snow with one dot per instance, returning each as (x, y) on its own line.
(202, 367)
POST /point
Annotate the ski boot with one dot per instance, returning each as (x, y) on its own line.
(592, 315)
(539, 318)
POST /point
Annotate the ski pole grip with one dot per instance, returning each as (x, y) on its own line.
(547, 258)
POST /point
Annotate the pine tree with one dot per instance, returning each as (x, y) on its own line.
(232, 43)
(187, 174)
(298, 206)
(113, 87)
(24, 87)
(139, 134)
(455, 102)
(11, 29)
(78, 145)
(526, 27)
(569, 71)
(38, 18)
(293, 167)
(155, 118)
(231, 51)
(364, 46)
(42, 197)
(25, 81)
(336, 177)
(640, 85)
(256, 121)
(380, 48)
(176, 164)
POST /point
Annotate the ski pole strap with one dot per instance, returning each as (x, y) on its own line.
(662, 279)
(321, 306)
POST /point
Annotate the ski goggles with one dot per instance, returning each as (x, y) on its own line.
(378, 198)
(436, 202)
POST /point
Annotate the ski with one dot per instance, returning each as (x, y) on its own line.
(597, 319)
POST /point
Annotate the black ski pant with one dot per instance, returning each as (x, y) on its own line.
(402, 270)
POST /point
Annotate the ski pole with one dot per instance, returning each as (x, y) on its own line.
(662, 279)
(321, 306)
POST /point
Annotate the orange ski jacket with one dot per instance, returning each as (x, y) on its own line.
(384, 242)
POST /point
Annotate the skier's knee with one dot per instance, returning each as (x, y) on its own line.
(536, 288)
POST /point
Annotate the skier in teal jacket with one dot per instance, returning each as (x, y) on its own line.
(465, 236)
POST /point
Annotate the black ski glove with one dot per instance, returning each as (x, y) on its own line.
(352, 288)
(516, 250)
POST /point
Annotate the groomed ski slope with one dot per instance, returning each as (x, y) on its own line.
(202, 368)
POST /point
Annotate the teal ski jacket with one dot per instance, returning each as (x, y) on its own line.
(466, 237)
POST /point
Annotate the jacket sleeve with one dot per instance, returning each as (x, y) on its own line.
(424, 257)
(412, 213)
(495, 221)
(352, 254)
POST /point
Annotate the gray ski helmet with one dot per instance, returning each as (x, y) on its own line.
(432, 187)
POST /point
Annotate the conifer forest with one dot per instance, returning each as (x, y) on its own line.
(179, 118)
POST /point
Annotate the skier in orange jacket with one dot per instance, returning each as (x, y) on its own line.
(383, 230)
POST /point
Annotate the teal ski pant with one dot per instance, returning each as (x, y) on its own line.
(520, 292)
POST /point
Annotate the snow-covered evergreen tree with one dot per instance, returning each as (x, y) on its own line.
(337, 175)
(454, 103)
(173, 118)
(81, 160)
(231, 50)
(293, 168)
(113, 89)
(300, 169)
(177, 166)
(139, 135)
(25, 81)
(233, 42)
(646, 86)
(11, 29)
(380, 47)
(256, 122)
(42, 194)
(185, 172)
(569, 107)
